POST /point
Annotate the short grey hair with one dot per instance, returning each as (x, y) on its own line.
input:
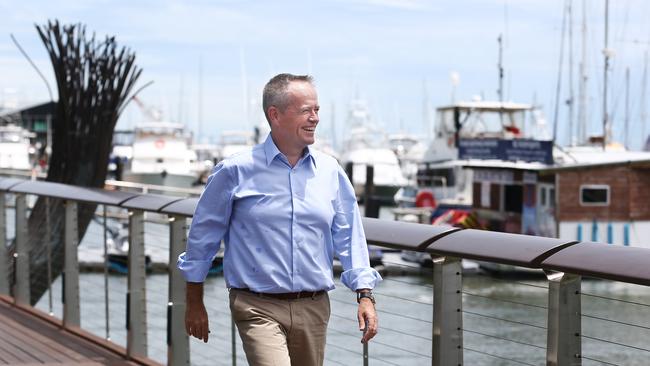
(275, 91)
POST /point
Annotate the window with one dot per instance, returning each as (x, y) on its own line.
(514, 197)
(594, 195)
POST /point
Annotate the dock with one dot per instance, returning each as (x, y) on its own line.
(31, 337)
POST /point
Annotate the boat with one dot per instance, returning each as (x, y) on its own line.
(117, 252)
(477, 144)
(15, 148)
(366, 145)
(161, 155)
(235, 141)
(409, 151)
(481, 131)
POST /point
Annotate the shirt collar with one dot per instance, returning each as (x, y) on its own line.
(271, 151)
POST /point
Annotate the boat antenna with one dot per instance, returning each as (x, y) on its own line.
(49, 90)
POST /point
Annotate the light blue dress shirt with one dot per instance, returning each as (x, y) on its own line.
(281, 226)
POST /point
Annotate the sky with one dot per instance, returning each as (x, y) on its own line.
(209, 59)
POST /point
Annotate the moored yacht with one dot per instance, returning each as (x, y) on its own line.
(161, 155)
(15, 147)
(366, 145)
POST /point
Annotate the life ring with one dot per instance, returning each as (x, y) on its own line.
(425, 198)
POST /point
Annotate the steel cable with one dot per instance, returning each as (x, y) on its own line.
(613, 299)
(347, 318)
(503, 300)
(615, 321)
(386, 345)
(420, 268)
(597, 360)
(402, 298)
(382, 311)
(503, 339)
(616, 343)
(377, 342)
(409, 283)
(517, 282)
(505, 320)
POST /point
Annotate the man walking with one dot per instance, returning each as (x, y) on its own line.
(284, 210)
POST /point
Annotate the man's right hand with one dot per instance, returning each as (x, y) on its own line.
(196, 317)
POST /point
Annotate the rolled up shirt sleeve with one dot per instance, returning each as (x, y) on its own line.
(209, 225)
(349, 239)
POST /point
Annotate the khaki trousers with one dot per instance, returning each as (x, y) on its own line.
(281, 332)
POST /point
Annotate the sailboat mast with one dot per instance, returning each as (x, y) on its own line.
(644, 85)
(606, 54)
(570, 101)
(200, 102)
(500, 66)
(500, 91)
(582, 86)
(627, 106)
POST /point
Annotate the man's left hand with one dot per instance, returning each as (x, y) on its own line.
(367, 317)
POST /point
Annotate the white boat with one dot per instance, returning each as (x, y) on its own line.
(15, 147)
(473, 131)
(235, 141)
(161, 155)
(409, 151)
(366, 145)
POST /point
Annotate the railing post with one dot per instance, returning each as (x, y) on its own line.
(71, 267)
(563, 346)
(447, 312)
(136, 344)
(22, 289)
(178, 344)
(4, 255)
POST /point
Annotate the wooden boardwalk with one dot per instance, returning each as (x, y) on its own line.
(29, 337)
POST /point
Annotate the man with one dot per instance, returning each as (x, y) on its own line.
(284, 210)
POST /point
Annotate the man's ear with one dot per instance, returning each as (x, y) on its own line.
(273, 115)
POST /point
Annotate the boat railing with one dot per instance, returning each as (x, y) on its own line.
(438, 329)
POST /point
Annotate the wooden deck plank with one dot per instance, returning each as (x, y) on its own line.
(45, 348)
(6, 357)
(21, 352)
(30, 337)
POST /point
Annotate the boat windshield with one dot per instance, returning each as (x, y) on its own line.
(148, 132)
(11, 136)
(485, 123)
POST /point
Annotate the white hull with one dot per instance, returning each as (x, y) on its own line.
(161, 179)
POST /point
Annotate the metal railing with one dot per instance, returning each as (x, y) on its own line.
(449, 306)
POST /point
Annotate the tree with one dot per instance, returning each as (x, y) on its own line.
(94, 80)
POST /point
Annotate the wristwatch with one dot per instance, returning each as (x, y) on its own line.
(367, 295)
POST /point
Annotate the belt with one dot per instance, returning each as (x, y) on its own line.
(284, 295)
